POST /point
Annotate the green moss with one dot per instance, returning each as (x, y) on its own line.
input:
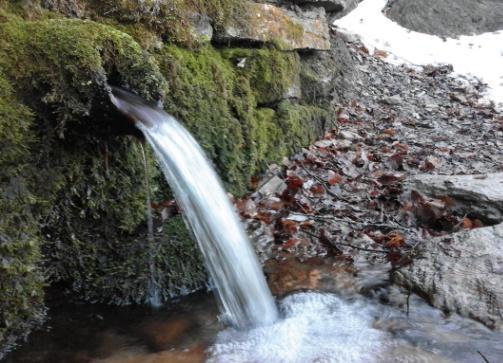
(301, 124)
(20, 281)
(67, 64)
(72, 192)
(270, 72)
(204, 93)
(217, 100)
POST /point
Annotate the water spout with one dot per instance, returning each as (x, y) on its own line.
(233, 266)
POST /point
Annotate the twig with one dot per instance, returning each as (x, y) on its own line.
(348, 245)
(365, 224)
(408, 302)
(483, 356)
(324, 184)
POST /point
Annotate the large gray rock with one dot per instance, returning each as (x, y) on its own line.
(478, 195)
(328, 78)
(258, 23)
(449, 18)
(461, 273)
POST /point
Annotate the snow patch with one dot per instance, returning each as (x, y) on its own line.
(479, 56)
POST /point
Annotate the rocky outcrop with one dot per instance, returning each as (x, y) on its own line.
(450, 18)
(461, 273)
(479, 196)
(268, 23)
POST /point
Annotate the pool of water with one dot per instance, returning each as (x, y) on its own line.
(314, 328)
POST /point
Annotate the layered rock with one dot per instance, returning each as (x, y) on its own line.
(268, 23)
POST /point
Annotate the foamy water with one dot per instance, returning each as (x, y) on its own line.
(326, 328)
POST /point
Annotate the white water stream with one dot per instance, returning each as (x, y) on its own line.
(241, 288)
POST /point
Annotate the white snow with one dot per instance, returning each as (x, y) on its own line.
(479, 56)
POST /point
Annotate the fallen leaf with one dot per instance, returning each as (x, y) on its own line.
(292, 242)
(288, 225)
(317, 189)
(380, 53)
(396, 241)
(333, 178)
(294, 182)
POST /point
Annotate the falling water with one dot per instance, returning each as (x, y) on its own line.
(153, 294)
(233, 266)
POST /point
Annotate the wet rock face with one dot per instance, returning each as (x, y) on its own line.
(307, 29)
(450, 18)
(478, 195)
(461, 273)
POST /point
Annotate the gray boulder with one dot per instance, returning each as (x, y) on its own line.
(450, 18)
(478, 195)
(461, 273)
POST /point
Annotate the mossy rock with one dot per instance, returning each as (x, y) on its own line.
(67, 64)
(271, 73)
(218, 102)
(21, 285)
(73, 191)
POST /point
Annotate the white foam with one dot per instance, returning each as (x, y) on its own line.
(316, 327)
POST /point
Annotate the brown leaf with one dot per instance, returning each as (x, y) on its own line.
(265, 217)
(380, 53)
(388, 179)
(294, 182)
(289, 226)
(396, 241)
(292, 242)
(306, 225)
(317, 189)
(389, 132)
(325, 239)
(333, 178)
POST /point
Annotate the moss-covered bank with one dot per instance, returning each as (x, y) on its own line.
(73, 197)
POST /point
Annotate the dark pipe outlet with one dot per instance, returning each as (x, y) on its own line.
(132, 107)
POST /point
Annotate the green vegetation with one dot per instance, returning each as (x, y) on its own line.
(72, 196)
(20, 281)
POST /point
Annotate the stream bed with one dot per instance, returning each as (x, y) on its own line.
(314, 327)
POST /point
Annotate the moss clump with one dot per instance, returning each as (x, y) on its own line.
(270, 72)
(21, 284)
(218, 101)
(206, 96)
(67, 64)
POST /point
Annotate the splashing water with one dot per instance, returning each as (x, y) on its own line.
(241, 288)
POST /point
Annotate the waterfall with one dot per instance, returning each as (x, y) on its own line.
(233, 266)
